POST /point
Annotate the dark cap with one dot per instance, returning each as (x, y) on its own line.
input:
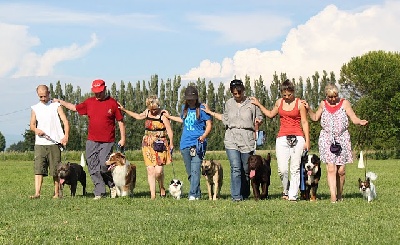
(98, 86)
(191, 93)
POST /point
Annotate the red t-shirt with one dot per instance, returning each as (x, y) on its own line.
(102, 115)
(290, 121)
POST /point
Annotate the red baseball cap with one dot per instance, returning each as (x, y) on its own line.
(98, 86)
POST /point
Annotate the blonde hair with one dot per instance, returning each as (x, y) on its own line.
(331, 89)
(152, 102)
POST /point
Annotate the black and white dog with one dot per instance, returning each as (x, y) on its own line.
(175, 188)
(311, 174)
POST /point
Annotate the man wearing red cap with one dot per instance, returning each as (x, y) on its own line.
(102, 112)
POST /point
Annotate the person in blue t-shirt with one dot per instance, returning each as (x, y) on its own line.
(196, 126)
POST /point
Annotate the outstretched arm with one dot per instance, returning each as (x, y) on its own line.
(315, 116)
(207, 110)
(173, 118)
(135, 115)
(66, 104)
(352, 115)
(269, 113)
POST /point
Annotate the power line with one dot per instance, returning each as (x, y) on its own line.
(13, 112)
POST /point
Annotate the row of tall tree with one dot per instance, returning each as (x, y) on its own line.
(370, 82)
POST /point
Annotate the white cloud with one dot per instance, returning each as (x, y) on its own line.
(16, 42)
(251, 28)
(41, 14)
(325, 42)
(33, 64)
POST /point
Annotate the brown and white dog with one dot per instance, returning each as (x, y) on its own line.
(123, 173)
(213, 172)
(311, 176)
(260, 175)
(367, 188)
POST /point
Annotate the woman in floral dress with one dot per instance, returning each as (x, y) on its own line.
(334, 113)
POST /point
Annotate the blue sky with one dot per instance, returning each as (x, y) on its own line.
(79, 41)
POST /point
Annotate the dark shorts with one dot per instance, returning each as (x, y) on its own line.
(46, 159)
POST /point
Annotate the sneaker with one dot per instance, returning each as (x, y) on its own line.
(192, 198)
(113, 192)
(97, 198)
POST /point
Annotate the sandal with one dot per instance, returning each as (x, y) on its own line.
(285, 196)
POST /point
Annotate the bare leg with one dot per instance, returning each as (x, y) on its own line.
(340, 179)
(331, 175)
(38, 185)
(160, 179)
(56, 187)
(151, 178)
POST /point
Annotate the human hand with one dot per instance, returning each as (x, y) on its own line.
(39, 132)
(254, 101)
(120, 106)
(64, 141)
(305, 104)
(206, 109)
(201, 138)
(121, 143)
(306, 146)
(166, 113)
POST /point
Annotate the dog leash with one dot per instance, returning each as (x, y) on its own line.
(361, 145)
(60, 146)
(120, 148)
(172, 163)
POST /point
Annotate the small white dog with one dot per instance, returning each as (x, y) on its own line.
(367, 188)
(175, 188)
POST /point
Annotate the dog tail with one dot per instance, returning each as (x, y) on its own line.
(83, 162)
(371, 175)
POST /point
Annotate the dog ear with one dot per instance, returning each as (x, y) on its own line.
(359, 180)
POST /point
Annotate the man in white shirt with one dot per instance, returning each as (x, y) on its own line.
(45, 122)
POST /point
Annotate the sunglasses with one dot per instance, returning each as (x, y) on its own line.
(236, 82)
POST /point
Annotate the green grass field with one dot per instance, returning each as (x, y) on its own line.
(139, 220)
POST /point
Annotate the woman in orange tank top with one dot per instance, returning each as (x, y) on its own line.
(293, 137)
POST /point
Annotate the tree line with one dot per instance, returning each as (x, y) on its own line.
(370, 82)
